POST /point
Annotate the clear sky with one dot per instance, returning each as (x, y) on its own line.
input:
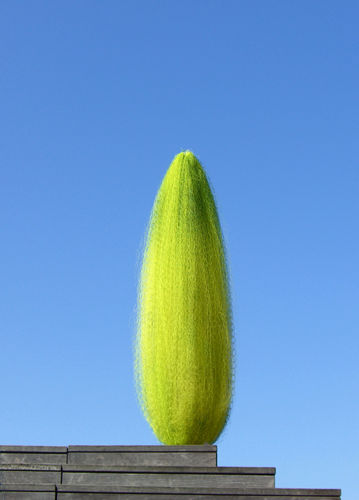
(96, 98)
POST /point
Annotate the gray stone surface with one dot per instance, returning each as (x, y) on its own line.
(33, 454)
(214, 477)
(33, 449)
(33, 458)
(29, 474)
(170, 496)
(27, 492)
(170, 459)
(190, 470)
(200, 456)
(113, 493)
(27, 495)
(145, 449)
(136, 472)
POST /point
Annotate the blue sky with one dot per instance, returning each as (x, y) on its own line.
(96, 99)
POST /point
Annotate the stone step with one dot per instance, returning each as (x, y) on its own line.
(176, 456)
(170, 456)
(211, 477)
(30, 474)
(67, 492)
(33, 455)
(136, 472)
(27, 492)
(70, 492)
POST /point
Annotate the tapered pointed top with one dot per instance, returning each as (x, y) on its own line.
(185, 158)
(186, 163)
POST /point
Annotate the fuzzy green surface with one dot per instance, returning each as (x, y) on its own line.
(183, 359)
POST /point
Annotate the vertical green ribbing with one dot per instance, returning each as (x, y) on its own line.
(183, 360)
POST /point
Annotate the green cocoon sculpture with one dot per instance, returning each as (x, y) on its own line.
(183, 359)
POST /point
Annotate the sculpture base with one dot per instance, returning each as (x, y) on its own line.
(136, 472)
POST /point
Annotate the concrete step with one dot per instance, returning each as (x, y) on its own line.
(170, 456)
(33, 455)
(27, 492)
(136, 472)
(211, 477)
(70, 492)
(30, 474)
(67, 492)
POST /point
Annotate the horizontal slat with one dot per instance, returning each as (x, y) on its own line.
(144, 449)
(180, 459)
(30, 467)
(149, 480)
(20, 475)
(171, 496)
(27, 487)
(27, 492)
(277, 492)
(33, 449)
(169, 470)
(104, 493)
(33, 458)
